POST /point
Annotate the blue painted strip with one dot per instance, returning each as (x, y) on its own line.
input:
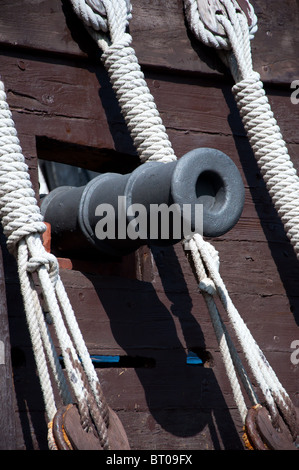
(193, 359)
(97, 359)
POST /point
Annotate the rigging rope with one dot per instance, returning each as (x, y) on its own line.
(107, 21)
(137, 103)
(265, 138)
(263, 131)
(23, 226)
(152, 143)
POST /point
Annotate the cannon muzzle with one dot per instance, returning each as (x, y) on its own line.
(157, 203)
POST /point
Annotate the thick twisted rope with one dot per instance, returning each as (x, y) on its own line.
(273, 160)
(271, 388)
(271, 153)
(152, 143)
(201, 31)
(142, 118)
(23, 225)
(263, 131)
(136, 101)
(232, 362)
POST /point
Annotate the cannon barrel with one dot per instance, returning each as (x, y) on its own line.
(102, 214)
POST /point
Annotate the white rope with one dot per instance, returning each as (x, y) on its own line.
(136, 101)
(202, 32)
(231, 359)
(152, 143)
(275, 164)
(273, 392)
(23, 225)
(263, 131)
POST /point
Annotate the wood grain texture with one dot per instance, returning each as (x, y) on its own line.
(160, 36)
(7, 403)
(65, 110)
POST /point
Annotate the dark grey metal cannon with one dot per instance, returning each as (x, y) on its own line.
(157, 203)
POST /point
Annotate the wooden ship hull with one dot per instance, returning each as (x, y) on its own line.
(145, 308)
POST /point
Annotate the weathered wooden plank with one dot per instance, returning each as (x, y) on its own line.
(267, 270)
(7, 404)
(207, 431)
(197, 119)
(138, 325)
(195, 116)
(102, 135)
(171, 402)
(65, 110)
(250, 275)
(174, 385)
(82, 98)
(253, 261)
(161, 38)
(105, 331)
(170, 386)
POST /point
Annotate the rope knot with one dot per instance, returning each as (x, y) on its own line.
(210, 23)
(47, 260)
(104, 19)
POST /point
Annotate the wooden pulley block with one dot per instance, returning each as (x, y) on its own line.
(69, 434)
(261, 433)
(208, 10)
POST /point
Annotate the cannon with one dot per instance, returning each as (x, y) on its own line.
(200, 192)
